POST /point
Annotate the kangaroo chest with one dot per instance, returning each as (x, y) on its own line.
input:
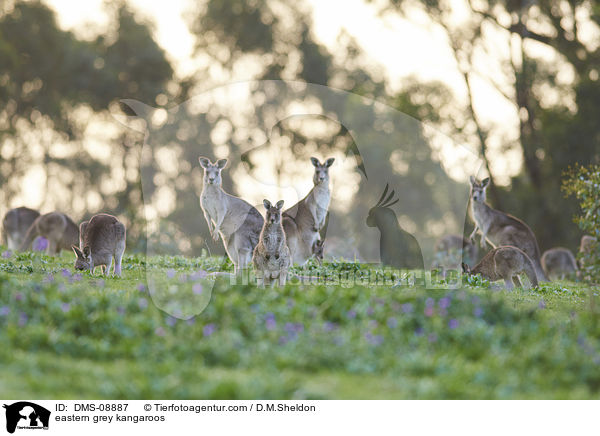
(272, 242)
(212, 203)
(482, 215)
(319, 207)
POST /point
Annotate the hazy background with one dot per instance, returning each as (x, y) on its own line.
(514, 82)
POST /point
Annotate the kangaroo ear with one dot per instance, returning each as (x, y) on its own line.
(279, 204)
(315, 161)
(329, 162)
(485, 182)
(221, 163)
(204, 161)
(77, 251)
(267, 204)
(472, 180)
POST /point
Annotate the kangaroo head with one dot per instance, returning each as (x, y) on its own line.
(212, 171)
(317, 250)
(83, 259)
(273, 212)
(465, 268)
(321, 170)
(478, 189)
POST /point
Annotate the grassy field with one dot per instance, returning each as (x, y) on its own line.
(67, 335)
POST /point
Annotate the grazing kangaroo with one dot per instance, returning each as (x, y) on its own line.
(60, 231)
(271, 255)
(236, 221)
(451, 250)
(318, 250)
(559, 262)
(303, 221)
(499, 228)
(505, 263)
(102, 240)
(15, 224)
(397, 248)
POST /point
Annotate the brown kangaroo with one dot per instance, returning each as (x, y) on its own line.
(504, 263)
(271, 257)
(15, 224)
(499, 228)
(102, 239)
(60, 231)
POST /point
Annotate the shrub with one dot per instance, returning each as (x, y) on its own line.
(584, 184)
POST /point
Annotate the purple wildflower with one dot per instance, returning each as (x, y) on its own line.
(4, 310)
(40, 244)
(270, 323)
(419, 331)
(141, 287)
(329, 326)
(48, 279)
(208, 329)
(444, 303)
(478, 312)
(453, 323)
(65, 307)
(392, 322)
(407, 308)
(6, 254)
(66, 273)
(429, 311)
(159, 331)
(76, 278)
(197, 289)
(171, 321)
(171, 273)
(351, 314)
(430, 302)
(373, 339)
(23, 319)
(18, 296)
(432, 337)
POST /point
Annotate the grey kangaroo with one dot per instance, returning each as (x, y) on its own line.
(505, 263)
(499, 228)
(303, 221)
(559, 262)
(102, 240)
(60, 231)
(235, 220)
(272, 256)
(15, 224)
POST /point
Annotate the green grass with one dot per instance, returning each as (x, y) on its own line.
(81, 336)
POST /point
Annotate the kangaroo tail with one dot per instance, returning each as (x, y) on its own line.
(530, 271)
(32, 233)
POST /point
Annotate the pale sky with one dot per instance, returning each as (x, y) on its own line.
(402, 48)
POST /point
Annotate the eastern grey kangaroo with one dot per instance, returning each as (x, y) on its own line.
(559, 262)
(271, 257)
(499, 228)
(235, 220)
(303, 221)
(505, 263)
(60, 231)
(102, 240)
(15, 224)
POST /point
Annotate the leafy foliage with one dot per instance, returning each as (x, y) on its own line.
(584, 184)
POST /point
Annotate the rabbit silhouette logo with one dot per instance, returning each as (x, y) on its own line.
(26, 415)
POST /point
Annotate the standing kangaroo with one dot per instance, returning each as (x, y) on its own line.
(236, 221)
(397, 247)
(272, 256)
(60, 231)
(102, 239)
(303, 221)
(505, 263)
(15, 224)
(559, 262)
(499, 228)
